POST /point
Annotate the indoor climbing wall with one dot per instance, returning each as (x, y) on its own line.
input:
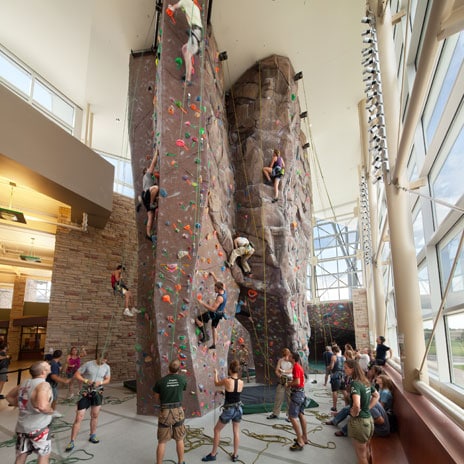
(185, 124)
(209, 191)
(331, 322)
(264, 114)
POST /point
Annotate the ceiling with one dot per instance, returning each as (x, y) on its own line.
(82, 48)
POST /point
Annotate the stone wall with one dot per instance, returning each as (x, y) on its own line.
(83, 309)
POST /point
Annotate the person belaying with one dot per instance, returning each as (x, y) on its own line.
(120, 288)
(274, 172)
(215, 313)
(243, 248)
(192, 46)
(149, 195)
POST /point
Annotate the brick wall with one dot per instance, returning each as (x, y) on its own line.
(83, 309)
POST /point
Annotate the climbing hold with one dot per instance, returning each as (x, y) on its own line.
(181, 143)
(178, 62)
(199, 297)
(163, 193)
(171, 110)
(252, 293)
(166, 298)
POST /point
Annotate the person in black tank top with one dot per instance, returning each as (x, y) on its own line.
(231, 410)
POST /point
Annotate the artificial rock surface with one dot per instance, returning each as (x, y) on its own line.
(212, 150)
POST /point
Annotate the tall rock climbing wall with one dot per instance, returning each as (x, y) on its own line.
(263, 115)
(210, 189)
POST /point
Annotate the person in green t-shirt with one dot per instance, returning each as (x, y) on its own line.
(169, 392)
(363, 396)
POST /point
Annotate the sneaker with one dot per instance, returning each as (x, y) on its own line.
(208, 457)
(127, 312)
(272, 416)
(333, 409)
(93, 438)
(234, 458)
(70, 446)
(274, 200)
(287, 419)
(212, 347)
(135, 311)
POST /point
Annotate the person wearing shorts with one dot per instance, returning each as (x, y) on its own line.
(296, 407)
(93, 374)
(34, 400)
(215, 313)
(169, 392)
(363, 397)
(231, 410)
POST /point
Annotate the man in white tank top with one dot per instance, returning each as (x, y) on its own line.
(34, 400)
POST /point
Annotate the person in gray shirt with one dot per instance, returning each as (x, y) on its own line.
(93, 375)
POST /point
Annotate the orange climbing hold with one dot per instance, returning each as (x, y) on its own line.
(252, 293)
(166, 298)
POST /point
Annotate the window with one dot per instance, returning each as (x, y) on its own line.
(432, 354)
(424, 290)
(446, 178)
(20, 78)
(455, 333)
(14, 76)
(123, 180)
(444, 80)
(418, 231)
(447, 253)
(6, 298)
(38, 291)
(338, 268)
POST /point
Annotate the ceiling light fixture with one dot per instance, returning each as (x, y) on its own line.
(9, 214)
(30, 257)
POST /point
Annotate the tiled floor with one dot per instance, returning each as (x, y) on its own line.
(129, 438)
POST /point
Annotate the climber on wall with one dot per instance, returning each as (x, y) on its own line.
(243, 248)
(149, 195)
(192, 46)
(120, 288)
(215, 313)
(274, 172)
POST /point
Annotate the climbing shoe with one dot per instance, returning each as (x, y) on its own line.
(93, 438)
(127, 312)
(70, 446)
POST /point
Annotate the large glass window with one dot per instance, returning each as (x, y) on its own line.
(424, 290)
(432, 354)
(444, 80)
(447, 254)
(6, 298)
(418, 230)
(15, 76)
(338, 268)
(455, 327)
(20, 78)
(123, 180)
(446, 177)
(38, 291)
